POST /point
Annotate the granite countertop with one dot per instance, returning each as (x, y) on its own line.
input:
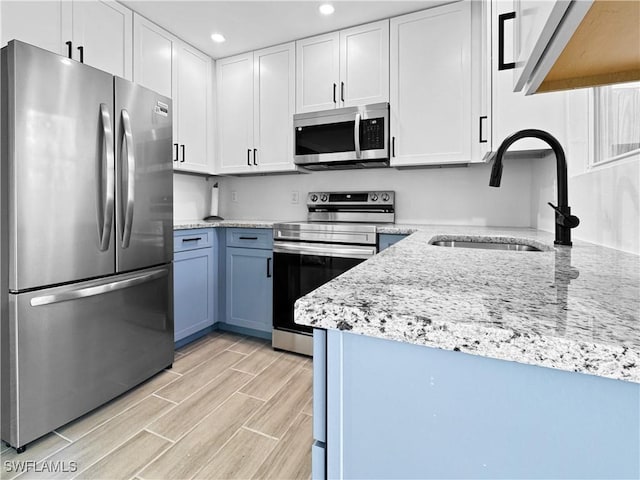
(187, 224)
(574, 309)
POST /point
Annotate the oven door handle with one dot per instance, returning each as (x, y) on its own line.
(326, 250)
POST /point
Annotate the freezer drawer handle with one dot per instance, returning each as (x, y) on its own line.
(105, 212)
(98, 289)
(191, 239)
(130, 180)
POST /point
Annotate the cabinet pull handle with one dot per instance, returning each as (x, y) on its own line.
(255, 150)
(81, 50)
(393, 146)
(483, 117)
(69, 45)
(195, 239)
(182, 148)
(334, 93)
(501, 19)
(342, 91)
(175, 145)
(248, 238)
(269, 267)
(249, 156)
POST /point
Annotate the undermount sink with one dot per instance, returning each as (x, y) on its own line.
(486, 245)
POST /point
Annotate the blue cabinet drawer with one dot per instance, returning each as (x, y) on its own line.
(184, 240)
(250, 238)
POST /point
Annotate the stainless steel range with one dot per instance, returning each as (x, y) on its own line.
(340, 233)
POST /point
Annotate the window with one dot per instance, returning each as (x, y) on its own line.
(617, 122)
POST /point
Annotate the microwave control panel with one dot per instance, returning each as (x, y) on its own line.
(372, 134)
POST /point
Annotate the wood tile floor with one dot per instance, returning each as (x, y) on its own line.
(231, 407)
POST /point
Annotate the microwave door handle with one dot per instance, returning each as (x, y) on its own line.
(356, 135)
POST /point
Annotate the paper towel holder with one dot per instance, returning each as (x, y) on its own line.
(213, 211)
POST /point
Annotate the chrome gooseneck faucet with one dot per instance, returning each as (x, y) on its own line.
(564, 220)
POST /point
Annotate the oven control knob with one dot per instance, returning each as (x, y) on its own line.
(324, 198)
(314, 198)
(385, 197)
(374, 198)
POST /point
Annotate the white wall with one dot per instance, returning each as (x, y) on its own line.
(190, 196)
(606, 199)
(435, 195)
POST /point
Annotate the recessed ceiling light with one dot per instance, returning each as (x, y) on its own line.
(326, 9)
(218, 37)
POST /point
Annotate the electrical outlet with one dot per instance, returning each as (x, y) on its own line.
(295, 197)
(234, 196)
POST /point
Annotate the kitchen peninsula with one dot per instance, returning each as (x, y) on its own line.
(435, 362)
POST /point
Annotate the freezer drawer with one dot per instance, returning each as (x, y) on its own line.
(73, 348)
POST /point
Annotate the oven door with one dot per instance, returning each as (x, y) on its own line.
(299, 268)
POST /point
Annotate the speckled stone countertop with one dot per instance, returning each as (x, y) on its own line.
(187, 224)
(574, 309)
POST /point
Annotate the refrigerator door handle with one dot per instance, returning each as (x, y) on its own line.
(77, 293)
(127, 144)
(105, 213)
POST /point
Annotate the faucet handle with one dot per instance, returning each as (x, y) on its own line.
(565, 218)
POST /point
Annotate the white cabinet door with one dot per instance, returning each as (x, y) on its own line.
(102, 32)
(513, 111)
(153, 54)
(274, 105)
(235, 114)
(431, 86)
(317, 73)
(535, 23)
(191, 108)
(42, 24)
(172, 68)
(364, 64)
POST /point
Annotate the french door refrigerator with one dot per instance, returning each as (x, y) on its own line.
(86, 197)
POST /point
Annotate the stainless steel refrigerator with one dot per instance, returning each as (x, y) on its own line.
(86, 239)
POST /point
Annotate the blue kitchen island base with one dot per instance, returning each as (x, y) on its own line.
(388, 409)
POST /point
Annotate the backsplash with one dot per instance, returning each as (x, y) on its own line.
(606, 199)
(454, 195)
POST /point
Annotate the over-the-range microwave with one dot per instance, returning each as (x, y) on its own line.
(351, 137)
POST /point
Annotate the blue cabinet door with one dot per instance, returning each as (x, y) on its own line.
(249, 288)
(193, 291)
(385, 240)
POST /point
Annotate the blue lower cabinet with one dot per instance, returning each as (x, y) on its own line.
(385, 240)
(193, 284)
(249, 288)
(397, 410)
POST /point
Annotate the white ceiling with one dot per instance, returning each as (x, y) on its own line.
(250, 25)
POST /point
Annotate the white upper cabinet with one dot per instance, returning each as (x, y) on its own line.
(570, 44)
(318, 72)
(513, 111)
(192, 100)
(438, 92)
(364, 64)
(235, 113)
(153, 52)
(96, 32)
(102, 33)
(345, 68)
(256, 103)
(37, 23)
(173, 68)
(274, 103)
